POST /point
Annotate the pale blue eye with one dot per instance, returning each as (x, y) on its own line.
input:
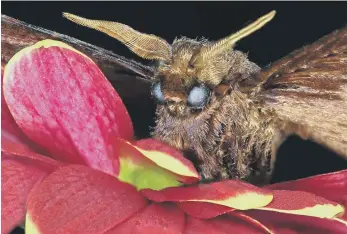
(157, 93)
(198, 96)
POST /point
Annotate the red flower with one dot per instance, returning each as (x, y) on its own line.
(57, 103)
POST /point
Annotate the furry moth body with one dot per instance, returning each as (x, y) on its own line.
(213, 103)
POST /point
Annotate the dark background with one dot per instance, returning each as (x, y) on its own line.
(296, 24)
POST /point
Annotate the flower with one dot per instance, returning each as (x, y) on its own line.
(70, 165)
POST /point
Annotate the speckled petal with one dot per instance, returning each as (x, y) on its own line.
(62, 101)
(78, 199)
(21, 169)
(231, 193)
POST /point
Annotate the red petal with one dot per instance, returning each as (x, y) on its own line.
(332, 186)
(9, 129)
(253, 222)
(150, 146)
(198, 226)
(19, 151)
(156, 218)
(19, 174)
(203, 210)
(301, 223)
(78, 199)
(152, 164)
(219, 225)
(282, 230)
(232, 193)
(303, 203)
(61, 100)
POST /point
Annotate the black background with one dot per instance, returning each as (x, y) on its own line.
(296, 24)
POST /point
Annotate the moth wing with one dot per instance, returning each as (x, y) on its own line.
(307, 90)
(17, 34)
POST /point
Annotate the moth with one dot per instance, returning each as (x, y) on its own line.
(227, 114)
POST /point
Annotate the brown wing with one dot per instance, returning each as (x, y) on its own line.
(16, 35)
(308, 91)
(124, 74)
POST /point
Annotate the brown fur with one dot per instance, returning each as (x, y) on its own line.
(231, 137)
(249, 112)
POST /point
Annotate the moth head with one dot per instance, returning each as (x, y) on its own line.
(189, 71)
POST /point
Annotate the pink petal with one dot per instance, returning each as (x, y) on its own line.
(282, 230)
(332, 186)
(153, 145)
(301, 223)
(21, 152)
(156, 218)
(152, 164)
(9, 129)
(61, 100)
(199, 226)
(203, 210)
(251, 221)
(303, 203)
(78, 199)
(231, 193)
(220, 225)
(19, 173)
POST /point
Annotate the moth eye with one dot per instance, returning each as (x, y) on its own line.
(157, 92)
(198, 96)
